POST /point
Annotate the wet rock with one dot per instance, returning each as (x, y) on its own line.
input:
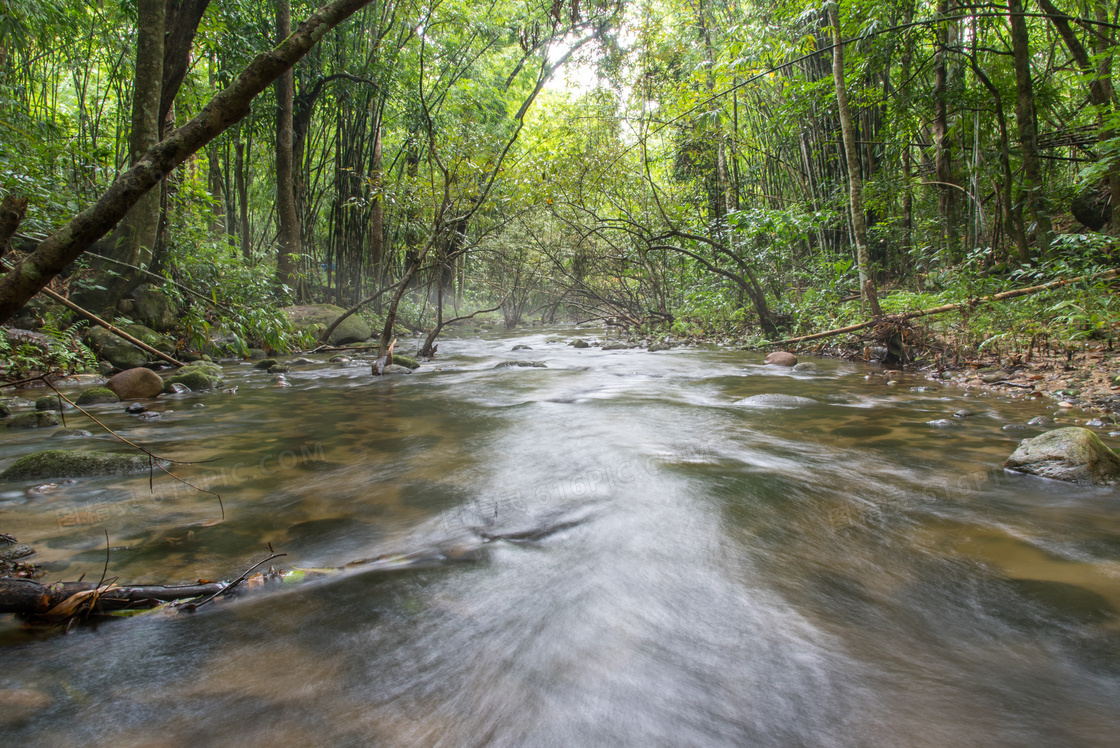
(62, 463)
(658, 347)
(97, 396)
(47, 402)
(150, 415)
(39, 420)
(315, 318)
(579, 343)
(136, 384)
(771, 400)
(1014, 427)
(1040, 421)
(962, 413)
(153, 307)
(198, 376)
(1095, 422)
(522, 364)
(340, 359)
(302, 361)
(279, 369)
(396, 369)
(941, 423)
(1071, 454)
(176, 388)
(5, 411)
(135, 409)
(406, 361)
(265, 363)
(617, 347)
(521, 348)
(63, 433)
(806, 367)
(780, 358)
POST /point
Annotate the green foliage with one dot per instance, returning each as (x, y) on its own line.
(61, 351)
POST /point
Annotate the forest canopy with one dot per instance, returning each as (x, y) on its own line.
(756, 169)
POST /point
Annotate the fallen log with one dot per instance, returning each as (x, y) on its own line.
(30, 599)
(1105, 275)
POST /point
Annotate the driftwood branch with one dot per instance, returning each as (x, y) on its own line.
(326, 336)
(1106, 275)
(28, 598)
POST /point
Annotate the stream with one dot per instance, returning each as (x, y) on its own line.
(621, 553)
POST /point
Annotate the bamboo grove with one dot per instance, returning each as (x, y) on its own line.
(654, 163)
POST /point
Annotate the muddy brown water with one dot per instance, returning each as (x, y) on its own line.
(665, 566)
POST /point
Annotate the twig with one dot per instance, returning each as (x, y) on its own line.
(234, 583)
(153, 459)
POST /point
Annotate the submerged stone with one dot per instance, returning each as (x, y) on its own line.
(772, 400)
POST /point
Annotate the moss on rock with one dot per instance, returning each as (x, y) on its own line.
(64, 463)
(97, 396)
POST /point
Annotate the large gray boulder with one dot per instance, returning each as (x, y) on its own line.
(153, 307)
(315, 318)
(1071, 454)
(63, 463)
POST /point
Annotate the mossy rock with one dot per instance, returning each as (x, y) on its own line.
(5, 411)
(406, 361)
(315, 318)
(154, 307)
(209, 367)
(266, 363)
(47, 402)
(39, 420)
(197, 378)
(122, 354)
(97, 396)
(1072, 454)
(64, 463)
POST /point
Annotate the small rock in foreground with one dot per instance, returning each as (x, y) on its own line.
(62, 463)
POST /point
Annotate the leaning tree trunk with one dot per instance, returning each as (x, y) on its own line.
(851, 155)
(223, 111)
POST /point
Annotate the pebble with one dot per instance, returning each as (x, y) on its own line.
(941, 423)
(1040, 421)
(962, 413)
(135, 408)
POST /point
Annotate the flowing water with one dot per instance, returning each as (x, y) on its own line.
(618, 551)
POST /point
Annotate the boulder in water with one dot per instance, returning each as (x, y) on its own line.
(97, 396)
(780, 358)
(407, 362)
(136, 384)
(522, 364)
(38, 420)
(806, 367)
(196, 377)
(63, 463)
(771, 400)
(1071, 454)
(396, 369)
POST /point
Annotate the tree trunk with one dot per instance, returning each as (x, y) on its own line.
(1028, 127)
(288, 242)
(242, 200)
(943, 155)
(377, 211)
(223, 111)
(851, 155)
